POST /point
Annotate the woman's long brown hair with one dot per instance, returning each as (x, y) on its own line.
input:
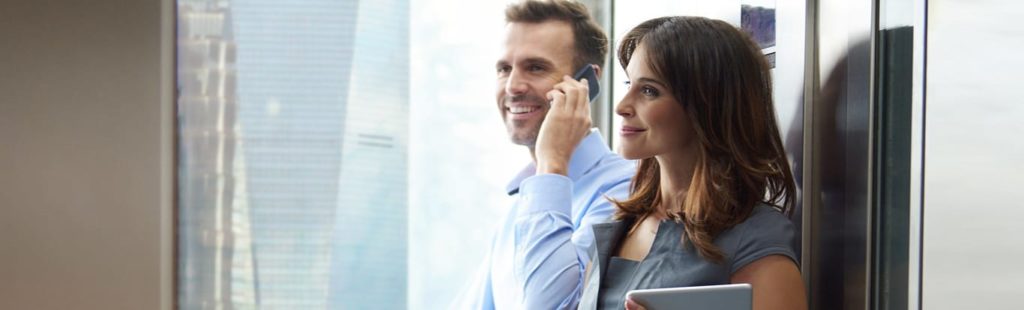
(719, 76)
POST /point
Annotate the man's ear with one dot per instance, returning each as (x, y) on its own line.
(597, 70)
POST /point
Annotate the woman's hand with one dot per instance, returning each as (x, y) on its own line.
(632, 305)
(566, 124)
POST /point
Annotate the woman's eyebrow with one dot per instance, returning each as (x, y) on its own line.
(650, 80)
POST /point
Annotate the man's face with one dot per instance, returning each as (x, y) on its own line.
(534, 59)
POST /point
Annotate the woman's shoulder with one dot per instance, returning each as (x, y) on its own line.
(765, 214)
(765, 224)
(767, 231)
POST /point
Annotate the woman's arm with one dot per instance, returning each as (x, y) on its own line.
(776, 282)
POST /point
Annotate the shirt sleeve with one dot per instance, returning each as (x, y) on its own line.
(548, 263)
(766, 232)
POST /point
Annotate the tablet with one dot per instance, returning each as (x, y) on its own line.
(718, 297)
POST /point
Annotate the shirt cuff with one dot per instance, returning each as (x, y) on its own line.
(546, 193)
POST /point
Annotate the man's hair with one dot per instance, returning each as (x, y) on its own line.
(591, 43)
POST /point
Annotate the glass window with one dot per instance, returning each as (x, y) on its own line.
(293, 151)
(337, 154)
(348, 154)
(461, 158)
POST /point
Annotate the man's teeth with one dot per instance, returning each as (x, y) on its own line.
(521, 110)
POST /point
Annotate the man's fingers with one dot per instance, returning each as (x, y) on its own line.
(585, 89)
(584, 92)
(576, 92)
(571, 96)
(556, 99)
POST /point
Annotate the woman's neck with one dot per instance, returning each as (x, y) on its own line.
(676, 173)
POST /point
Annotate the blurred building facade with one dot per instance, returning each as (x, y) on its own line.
(294, 126)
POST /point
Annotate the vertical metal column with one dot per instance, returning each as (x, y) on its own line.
(837, 193)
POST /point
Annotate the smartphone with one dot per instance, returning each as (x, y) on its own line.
(587, 72)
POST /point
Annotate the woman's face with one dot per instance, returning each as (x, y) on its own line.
(653, 122)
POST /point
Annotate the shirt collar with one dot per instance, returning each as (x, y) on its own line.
(587, 154)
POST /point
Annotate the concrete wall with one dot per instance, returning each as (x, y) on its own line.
(973, 197)
(85, 154)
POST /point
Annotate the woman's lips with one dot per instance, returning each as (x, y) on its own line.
(631, 131)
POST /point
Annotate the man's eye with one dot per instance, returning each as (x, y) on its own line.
(504, 69)
(536, 68)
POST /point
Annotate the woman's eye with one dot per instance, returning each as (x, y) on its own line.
(649, 92)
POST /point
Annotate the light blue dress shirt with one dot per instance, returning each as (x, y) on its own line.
(538, 254)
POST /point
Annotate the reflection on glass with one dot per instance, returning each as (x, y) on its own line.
(892, 151)
(293, 130)
(215, 249)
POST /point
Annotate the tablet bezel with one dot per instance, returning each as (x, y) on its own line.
(723, 297)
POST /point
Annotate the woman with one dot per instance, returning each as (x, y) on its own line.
(708, 203)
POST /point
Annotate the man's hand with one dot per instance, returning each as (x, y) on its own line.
(566, 124)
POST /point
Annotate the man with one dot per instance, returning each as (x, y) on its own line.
(538, 255)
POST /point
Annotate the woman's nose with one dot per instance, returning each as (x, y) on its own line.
(624, 109)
